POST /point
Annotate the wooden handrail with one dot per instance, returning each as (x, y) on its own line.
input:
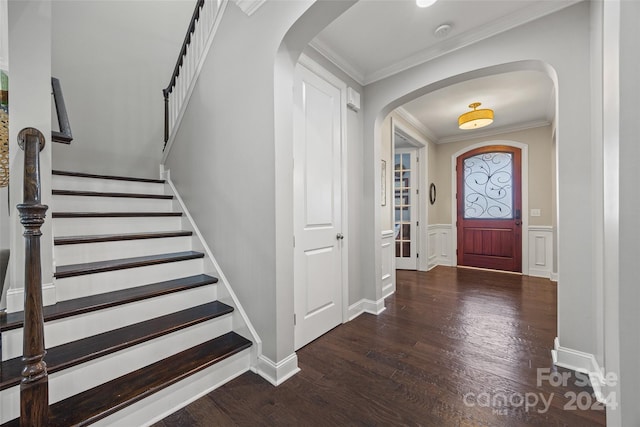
(34, 388)
(64, 136)
(176, 70)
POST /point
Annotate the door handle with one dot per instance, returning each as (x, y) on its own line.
(339, 236)
(518, 223)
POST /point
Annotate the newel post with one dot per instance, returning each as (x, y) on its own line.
(34, 389)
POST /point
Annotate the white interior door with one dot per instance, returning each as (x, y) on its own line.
(406, 208)
(317, 183)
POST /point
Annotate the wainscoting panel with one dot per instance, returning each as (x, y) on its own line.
(540, 251)
(440, 245)
(388, 263)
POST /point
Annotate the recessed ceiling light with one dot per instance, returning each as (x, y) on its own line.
(425, 3)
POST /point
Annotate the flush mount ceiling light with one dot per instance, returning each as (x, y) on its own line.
(475, 119)
(425, 3)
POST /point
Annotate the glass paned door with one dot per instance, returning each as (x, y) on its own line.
(405, 209)
(488, 186)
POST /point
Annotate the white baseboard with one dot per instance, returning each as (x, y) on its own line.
(388, 290)
(277, 373)
(553, 277)
(366, 306)
(539, 273)
(15, 297)
(580, 361)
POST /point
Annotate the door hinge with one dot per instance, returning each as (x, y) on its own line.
(417, 255)
(417, 223)
(417, 191)
(294, 241)
(294, 319)
(417, 159)
(456, 252)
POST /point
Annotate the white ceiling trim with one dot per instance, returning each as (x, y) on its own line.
(337, 60)
(249, 6)
(520, 17)
(494, 131)
(413, 121)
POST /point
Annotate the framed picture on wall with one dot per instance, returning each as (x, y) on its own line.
(383, 182)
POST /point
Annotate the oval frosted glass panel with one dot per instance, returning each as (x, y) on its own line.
(488, 186)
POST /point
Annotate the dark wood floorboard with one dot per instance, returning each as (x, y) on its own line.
(445, 334)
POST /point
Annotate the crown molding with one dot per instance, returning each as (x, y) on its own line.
(494, 131)
(421, 127)
(520, 17)
(515, 19)
(249, 6)
(344, 65)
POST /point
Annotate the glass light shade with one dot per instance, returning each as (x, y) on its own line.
(425, 3)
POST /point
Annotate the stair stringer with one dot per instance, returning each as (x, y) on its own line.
(241, 323)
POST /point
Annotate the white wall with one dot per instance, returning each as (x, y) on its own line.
(621, 207)
(4, 192)
(30, 89)
(547, 42)
(113, 59)
(232, 159)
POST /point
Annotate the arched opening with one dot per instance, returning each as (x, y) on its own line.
(523, 48)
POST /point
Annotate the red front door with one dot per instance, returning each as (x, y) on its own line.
(490, 208)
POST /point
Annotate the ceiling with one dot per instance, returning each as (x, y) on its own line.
(378, 38)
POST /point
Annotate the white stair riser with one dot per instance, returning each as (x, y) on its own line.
(105, 185)
(85, 226)
(79, 378)
(9, 404)
(77, 327)
(99, 283)
(168, 400)
(109, 204)
(90, 252)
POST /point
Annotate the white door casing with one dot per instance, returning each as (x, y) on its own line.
(317, 181)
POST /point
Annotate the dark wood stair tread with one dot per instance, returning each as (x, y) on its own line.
(111, 214)
(83, 350)
(99, 402)
(98, 238)
(112, 177)
(72, 270)
(91, 303)
(108, 194)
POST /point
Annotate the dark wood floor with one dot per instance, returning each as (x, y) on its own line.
(454, 347)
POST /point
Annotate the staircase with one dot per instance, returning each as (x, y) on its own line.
(141, 326)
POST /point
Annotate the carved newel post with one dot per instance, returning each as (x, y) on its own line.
(34, 389)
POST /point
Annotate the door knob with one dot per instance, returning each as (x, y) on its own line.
(339, 236)
(517, 222)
